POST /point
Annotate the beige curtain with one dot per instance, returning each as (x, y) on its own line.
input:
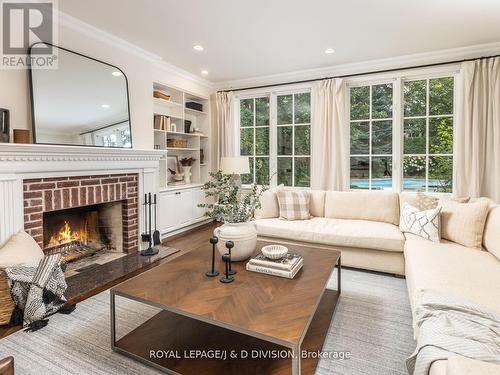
(477, 130)
(225, 127)
(330, 136)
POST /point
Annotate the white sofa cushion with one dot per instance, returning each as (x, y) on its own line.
(21, 248)
(491, 237)
(458, 365)
(452, 269)
(268, 204)
(317, 203)
(335, 232)
(464, 223)
(380, 206)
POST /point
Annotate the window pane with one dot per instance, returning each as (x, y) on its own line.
(246, 141)
(441, 135)
(414, 98)
(382, 137)
(261, 141)
(303, 108)
(441, 96)
(285, 140)
(414, 136)
(302, 172)
(414, 173)
(262, 171)
(261, 111)
(360, 103)
(381, 172)
(285, 171)
(440, 173)
(246, 112)
(360, 137)
(285, 104)
(302, 139)
(360, 172)
(382, 101)
(248, 178)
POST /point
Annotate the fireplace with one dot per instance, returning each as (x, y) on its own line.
(88, 219)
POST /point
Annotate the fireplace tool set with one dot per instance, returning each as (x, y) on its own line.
(150, 236)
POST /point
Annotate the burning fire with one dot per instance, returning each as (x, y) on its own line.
(66, 234)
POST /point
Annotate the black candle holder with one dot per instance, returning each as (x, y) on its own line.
(230, 245)
(213, 272)
(226, 278)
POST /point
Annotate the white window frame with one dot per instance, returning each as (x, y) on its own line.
(452, 70)
(273, 127)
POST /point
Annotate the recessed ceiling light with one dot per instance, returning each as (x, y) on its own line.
(204, 72)
(329, 51)
(198, 48)
(105, 106)
(116, 73)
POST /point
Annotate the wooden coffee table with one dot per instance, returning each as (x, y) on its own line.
(262, 324)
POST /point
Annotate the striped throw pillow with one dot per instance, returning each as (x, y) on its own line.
(294, 205)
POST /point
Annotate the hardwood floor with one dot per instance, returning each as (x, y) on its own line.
(185, 242)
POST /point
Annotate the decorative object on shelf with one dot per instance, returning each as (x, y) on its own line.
(186, 164)
(173, 169)
(274, 251)
(4, 125)
(22, 136)
(213, 272)
(196, 131)
(177, 143)
(161, 122)
(202, 156)
(159, 95)
(147, 235)
(187, 126)
(227, 278)
(235, 210)
(173, 127)
(195, 106)
(229, 246)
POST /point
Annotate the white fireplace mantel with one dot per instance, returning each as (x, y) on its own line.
(22, 161)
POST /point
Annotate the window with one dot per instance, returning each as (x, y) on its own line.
(280, 147)
(293, 139)
(371, 136)
(419, 114)
(428, 135)
(254, 138)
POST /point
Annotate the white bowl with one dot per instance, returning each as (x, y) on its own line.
(274, 251)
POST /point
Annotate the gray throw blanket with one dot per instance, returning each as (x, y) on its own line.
(38, 290)
(449, 325)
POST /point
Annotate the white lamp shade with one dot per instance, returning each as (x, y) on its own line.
(235, 165)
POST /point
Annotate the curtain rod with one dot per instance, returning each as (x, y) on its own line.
(361, 74)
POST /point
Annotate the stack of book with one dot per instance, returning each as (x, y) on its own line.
(288, 266)
(161, 122)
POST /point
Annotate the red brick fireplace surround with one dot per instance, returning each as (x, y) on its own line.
(58, 193)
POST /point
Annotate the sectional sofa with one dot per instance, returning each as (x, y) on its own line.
(365, 227)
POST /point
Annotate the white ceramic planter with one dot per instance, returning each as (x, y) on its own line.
(244, 236)
(187, 174)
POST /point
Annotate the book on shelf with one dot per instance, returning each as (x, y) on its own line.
(161, 122)
(289, 274)
(286, 263)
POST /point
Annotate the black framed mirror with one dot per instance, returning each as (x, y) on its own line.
(81, 102)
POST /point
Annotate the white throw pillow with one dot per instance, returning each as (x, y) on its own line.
(294, 205)
(422, 223)
(269, 204)
(21, 248)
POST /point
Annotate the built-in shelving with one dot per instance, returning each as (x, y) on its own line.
(176, 110)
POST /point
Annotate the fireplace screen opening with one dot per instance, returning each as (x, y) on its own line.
(84, 231)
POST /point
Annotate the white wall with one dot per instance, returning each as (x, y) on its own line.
(141, 72)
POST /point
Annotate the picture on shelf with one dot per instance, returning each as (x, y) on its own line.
(173, 167)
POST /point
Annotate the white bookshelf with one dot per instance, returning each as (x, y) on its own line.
(176, 110)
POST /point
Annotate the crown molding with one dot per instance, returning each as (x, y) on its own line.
(91, 31)
(402, 62)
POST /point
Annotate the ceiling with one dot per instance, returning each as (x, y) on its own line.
(244, 39)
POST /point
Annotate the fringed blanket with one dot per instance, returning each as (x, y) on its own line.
(38, 291)
(449, 326)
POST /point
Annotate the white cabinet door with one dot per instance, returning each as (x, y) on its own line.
(198, 197)
(184, 207)
(167, 207)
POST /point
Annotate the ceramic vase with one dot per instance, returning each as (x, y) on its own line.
(187, 174)
(244, 236)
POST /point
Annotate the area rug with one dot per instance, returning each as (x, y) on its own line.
(372, 323)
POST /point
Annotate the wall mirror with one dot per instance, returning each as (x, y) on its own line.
(82, 102)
